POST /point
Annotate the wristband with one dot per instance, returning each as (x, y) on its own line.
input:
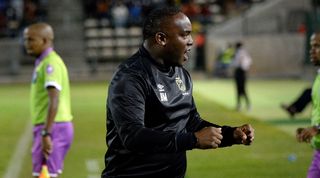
(45, 133)
(195, 141)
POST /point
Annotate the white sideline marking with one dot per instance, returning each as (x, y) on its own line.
(93, 168)
(94, 176)
(19, 154)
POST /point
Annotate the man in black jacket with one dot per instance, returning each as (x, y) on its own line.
(152, 119)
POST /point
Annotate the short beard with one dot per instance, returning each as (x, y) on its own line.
(315, 62)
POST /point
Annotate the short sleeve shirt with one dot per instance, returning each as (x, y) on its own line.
(50, 71)
(316, 101)
(315, 119)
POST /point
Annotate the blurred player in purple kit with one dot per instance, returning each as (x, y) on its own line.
(50, 101)
(311, 134)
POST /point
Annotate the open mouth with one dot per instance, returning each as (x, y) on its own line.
(187, 54)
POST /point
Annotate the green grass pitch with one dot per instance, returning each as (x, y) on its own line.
(267, 157)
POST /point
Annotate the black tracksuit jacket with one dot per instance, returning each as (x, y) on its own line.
(151, 120)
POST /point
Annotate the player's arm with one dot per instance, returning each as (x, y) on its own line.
(53, 102)
(214, 137)
(210, 135)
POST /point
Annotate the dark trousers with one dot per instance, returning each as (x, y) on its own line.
(240, 79)
(302, 101)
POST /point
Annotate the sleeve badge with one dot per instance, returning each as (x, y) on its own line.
(49, 69)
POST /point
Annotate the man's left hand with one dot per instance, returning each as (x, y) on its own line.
(244, 134)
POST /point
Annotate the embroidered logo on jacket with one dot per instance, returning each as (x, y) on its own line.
(181, 86)
(163, 94)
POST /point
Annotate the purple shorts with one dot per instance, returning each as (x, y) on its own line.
(61, 136)
(314, 169)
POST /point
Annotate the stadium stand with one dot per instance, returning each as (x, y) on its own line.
(91, 42)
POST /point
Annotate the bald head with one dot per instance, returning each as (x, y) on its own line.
(37, 38)
(44, 30)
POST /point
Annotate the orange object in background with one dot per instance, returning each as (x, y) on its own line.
(44, 172)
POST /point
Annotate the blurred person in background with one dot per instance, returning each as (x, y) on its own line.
(241, 62)
(224, 60)
(102, 9)
(120, 14)
(152, 119)
(50, 101)
(200, 42)
(311, 134)
(135, 13)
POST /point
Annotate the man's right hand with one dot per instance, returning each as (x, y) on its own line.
(46, 146)
(306, 134)
(208, 137)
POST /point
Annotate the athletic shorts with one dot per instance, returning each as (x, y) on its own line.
(314, 169)
(62, 137)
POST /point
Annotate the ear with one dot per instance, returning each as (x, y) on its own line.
(45, 41)
(161, 38)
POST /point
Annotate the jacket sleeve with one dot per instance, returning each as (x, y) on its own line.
(126, 104)
(196, 123)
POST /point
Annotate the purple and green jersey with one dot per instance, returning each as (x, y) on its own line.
(50, 70)
(315, 118)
